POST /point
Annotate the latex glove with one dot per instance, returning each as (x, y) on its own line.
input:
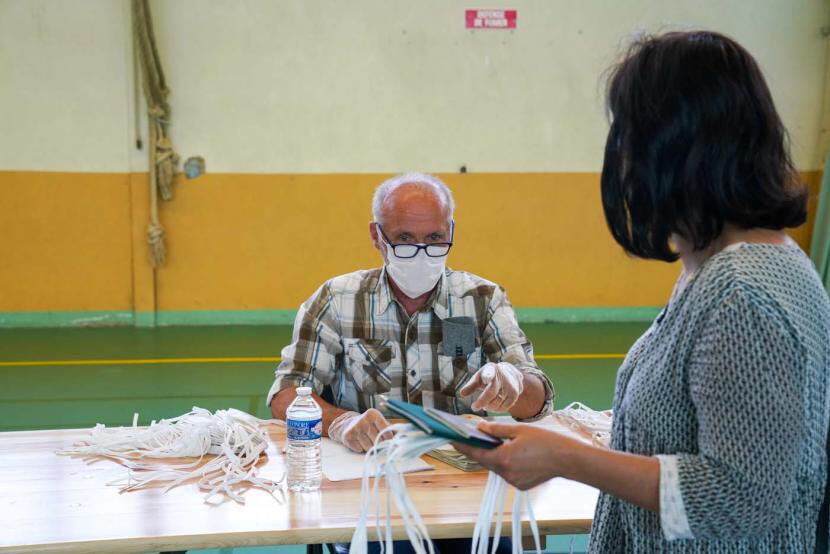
(357, 431)
(501, 384)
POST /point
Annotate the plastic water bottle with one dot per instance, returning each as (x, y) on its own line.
(305, 426)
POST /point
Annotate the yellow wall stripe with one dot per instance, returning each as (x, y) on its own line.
(77, 242)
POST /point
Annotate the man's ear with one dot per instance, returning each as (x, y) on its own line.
(373, 233)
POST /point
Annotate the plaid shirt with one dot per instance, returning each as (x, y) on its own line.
(353, 336)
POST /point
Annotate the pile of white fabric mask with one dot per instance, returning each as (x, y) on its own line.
(382, 462)
(233, 438)
(591, 423)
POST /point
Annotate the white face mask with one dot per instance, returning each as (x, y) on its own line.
(414, 276)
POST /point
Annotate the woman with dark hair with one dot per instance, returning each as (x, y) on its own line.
(721, 408)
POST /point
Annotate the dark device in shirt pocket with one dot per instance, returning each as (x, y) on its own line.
(458, 336)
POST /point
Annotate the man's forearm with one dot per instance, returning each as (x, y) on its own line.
(284, 398)
(531, 400)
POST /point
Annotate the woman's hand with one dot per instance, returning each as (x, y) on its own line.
(529, 456)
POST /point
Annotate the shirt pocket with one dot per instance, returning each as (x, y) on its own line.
(455, 371)
(368, 363)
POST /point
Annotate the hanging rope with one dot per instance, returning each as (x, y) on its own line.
(163, 159)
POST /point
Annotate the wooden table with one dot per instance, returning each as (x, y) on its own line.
(51, 503)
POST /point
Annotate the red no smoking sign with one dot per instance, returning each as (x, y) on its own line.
(490, 19)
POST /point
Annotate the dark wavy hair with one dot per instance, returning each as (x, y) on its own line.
(695, 142)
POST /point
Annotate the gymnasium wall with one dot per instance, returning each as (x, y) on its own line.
(300, 108)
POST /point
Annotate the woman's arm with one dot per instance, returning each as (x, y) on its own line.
(748, 382)
(632, 477)
(534, 455)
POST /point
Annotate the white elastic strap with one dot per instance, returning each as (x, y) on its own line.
(382, 462)
(581, 418)
(234, 438)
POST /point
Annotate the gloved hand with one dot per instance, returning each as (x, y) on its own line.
(501, 383)
(357, 431)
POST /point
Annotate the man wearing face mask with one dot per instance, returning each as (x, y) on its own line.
(412, 330)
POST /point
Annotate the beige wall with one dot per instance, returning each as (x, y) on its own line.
(393, 85)
(311, 86)
(64, 85)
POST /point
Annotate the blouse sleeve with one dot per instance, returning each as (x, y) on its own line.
(673, 519)
(747, 379)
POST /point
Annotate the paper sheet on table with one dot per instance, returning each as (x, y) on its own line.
(341, 464)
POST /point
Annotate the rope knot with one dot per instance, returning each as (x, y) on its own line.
(155, 238)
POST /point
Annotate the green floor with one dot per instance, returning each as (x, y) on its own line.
(76, 396)
(44, 396)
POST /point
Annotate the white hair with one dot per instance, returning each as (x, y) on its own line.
(430, 181)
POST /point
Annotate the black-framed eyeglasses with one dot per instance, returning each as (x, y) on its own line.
(406, 250)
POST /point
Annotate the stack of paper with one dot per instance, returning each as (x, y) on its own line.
(341, 464)
(453, 457)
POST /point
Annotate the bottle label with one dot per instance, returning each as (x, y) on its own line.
(308, 430)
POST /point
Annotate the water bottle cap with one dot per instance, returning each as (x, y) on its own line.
(303, 391)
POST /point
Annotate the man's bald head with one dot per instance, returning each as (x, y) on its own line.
(412, 191)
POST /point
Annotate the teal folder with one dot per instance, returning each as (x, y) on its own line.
(443, 424)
